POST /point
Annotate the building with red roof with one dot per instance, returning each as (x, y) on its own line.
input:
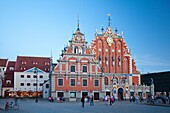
(77, 73)
(105, 68)
(30, 74)
(3, 64)
(121, 77)
(8, 81)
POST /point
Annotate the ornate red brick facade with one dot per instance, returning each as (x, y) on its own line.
(105, 68)
(77, 73)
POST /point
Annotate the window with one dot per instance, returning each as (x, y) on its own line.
(85, 69)
(46, 63)
(35, 76)
(41, 76)
(72, 94)
(73, 82)
(60, 94)
(41, 84)
(28, 76)
(76, 49)
(22, 84)
(8, 81)
(106, 81)
(47, 85)
(73, 68)
(80, 50)
(35, 84)
(84, 82)
(22, 76)
(11, 68)
(24, 62)
(96, 82)
(28, 84)
(60, 82)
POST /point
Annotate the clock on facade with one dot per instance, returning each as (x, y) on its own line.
(78, 38)
(109, 40)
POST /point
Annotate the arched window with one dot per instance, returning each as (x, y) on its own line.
(125, 65)
(8, 81)
(75, 49)
(80, 50)
(106, 81)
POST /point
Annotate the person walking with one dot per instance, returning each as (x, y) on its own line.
(92, 101)
(108, 100)
(137, 99)
(82, 101)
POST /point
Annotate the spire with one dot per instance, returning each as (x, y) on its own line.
(78, 25)
(116, 30)
(122, 34)
(102, 28)
(108, 20)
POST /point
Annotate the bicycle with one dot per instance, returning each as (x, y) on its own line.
(10, 106)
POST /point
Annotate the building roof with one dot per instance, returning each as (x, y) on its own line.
(9, 74)
(10, 67)
(24, 63)
(3, 62)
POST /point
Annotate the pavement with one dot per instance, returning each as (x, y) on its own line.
(43, 106)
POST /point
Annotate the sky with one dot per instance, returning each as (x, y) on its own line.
(42, 27)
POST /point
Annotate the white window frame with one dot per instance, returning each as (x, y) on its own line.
(11, 68)
(75, 68)
(58, 82)
(82, 82)
(98, 82)
(82, 68)
(70, 82)
(8, 81)
(74, 93)
(22, 75)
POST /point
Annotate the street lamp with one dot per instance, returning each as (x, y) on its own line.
(113, 84)
(36, 72)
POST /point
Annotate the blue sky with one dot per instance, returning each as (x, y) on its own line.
(37, 27)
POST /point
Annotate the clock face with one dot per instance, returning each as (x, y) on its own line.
(109, 40)
(78, 38)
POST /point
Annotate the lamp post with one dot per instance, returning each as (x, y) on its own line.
(36, 72)
(113, 85)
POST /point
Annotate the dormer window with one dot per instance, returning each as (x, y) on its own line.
(46, 63)
(24, 62)
(8, 81)
(11, 68)
(34, 63)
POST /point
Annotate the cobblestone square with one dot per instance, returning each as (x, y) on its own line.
(43, 106)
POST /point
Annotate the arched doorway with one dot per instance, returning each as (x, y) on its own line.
(120, 94)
